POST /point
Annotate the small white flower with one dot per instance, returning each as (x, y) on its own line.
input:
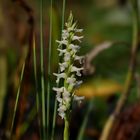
(67, 100)
(62, 109)
(61, 114)
(67, 56)
(79, 58)
(78, 38)
(66, 96)
(78, 30)
(63, 66)
(66, 93)
(62, 42)
(71, 81)
(65, 34)
(59, 93)
(58, 90)
(77, 70)
(74, 48)
(59, 99)
(61, 51)
(59, 76)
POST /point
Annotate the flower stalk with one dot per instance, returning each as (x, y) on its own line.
(66, 129)
(68, 49)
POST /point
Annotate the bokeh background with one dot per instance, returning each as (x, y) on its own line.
(106, 24)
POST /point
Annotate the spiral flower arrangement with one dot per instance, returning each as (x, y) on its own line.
(68, 48)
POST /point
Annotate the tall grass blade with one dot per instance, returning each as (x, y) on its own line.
(49, 70)
(17, 99)
(42, 73)
(36, 81)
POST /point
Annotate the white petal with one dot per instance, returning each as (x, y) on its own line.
(61, 51)
(63, 66)
(59, 99)
(67, 56)
(77, 38)
(65, 34)
(62, 108)
(71, 81)
(78, 30)
(62, 115)
(59, 76)
(62, 42)
(74, 48)
(65, 97)
(66, 93)
(77, 70)
(79, 58)
(58, 90)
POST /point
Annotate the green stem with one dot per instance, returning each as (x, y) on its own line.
(42, 72)
(66, 129)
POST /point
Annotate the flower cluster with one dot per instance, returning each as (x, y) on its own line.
(68, 49)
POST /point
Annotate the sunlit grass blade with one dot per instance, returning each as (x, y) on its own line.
(55, 103)
(17, 99)
(42, 73)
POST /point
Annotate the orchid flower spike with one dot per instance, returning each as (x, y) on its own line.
(68, 47)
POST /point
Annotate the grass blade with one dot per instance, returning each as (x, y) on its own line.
(49, 70)
(42, 73)
(17, 99)
(36, 81)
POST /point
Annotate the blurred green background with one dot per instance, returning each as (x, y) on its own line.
(102, 21)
